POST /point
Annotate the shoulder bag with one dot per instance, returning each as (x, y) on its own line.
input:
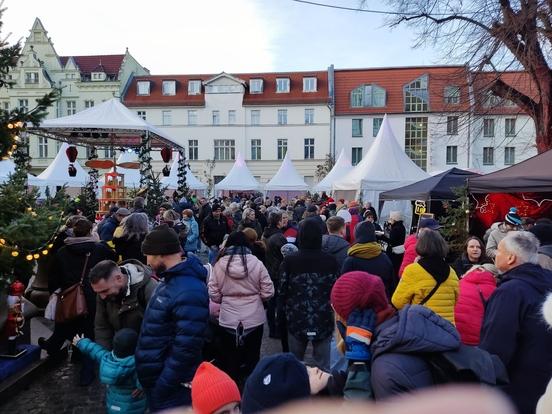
(72, 302)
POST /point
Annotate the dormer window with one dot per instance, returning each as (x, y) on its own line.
(169, 87)
(256, 86)
(309, 84)
(416, 95)
(98, 76)
(368, 96)
(143, 88)
(282, 85)
(194, 87)
(31, 77)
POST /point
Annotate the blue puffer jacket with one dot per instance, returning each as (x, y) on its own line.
(193, 235)
(415, 329)
(172, 335)
(119, 374)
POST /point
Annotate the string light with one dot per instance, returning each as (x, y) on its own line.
(29, 257)
(36, 255)
(15, 253)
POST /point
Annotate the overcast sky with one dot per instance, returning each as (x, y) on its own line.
(210, 36)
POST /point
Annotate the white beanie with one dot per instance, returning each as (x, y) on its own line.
(345, 215)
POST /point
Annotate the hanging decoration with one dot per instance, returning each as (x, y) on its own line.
(166, 155)
(72, 153)
(144, 156)
(182, 185)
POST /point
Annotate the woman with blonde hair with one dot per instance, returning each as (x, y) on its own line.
(249, 221)
(129, 244)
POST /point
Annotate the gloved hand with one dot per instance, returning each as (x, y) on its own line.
(358, 334)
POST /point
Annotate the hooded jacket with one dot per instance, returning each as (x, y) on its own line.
(513, 329)
(119, 374)
(108, 228)
(213, 230)
(337, 246)
(274, 240)
(240, 291)
(409, 252)
(305, 286)
(193, 234)
(495, 237)
(127, 311)
(172, 335)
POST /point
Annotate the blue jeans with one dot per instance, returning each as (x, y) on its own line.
(213, 252)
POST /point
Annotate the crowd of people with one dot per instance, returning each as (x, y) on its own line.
(178, 303)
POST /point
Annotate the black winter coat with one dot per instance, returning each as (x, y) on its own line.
(274, 240)
(380, 266)
(213, 230)
(336, 246)
(130, 249)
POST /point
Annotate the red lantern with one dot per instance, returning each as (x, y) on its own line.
(71, 153)
(166, 154)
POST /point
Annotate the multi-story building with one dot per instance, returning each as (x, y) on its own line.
(261, 115)
(83, 80)
(435, 114)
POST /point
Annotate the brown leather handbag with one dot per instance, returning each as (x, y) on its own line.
(72, 302)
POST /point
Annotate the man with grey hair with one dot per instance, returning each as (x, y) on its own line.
(513, 327)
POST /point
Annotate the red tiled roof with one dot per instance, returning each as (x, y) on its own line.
(268, 97)
(393, 80)
(87, 64)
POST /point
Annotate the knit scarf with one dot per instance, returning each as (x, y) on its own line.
(365, 250)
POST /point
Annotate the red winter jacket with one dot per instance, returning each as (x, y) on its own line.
(409, 252)
(355, 219)
(469, 309)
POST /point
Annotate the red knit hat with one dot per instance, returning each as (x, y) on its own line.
(358, 290)
(212, 389)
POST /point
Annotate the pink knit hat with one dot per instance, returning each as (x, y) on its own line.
(358, 290)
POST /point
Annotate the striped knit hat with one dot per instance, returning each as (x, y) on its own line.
(512, 217)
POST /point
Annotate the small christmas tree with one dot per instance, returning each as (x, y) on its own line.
(455, 220)
(155, 195)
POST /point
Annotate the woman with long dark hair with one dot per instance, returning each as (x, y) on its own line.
(129, 244)
(473, 254)
(240, 283)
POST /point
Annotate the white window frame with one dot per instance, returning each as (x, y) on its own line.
(192, 117)
(452, 94)
(224, 149)
(354, 154)
(215, 116)
(255, 117)
(416, 95)
(23, 104)
(452, 155)
(488, 152)
(256, 150)
(360, 132)
(378, 122)
(143, 88)
(194, 87)
(281, 148)
(89, 103)
(42, 147)
(509, 155)
(282, 85)
(510, 127)
(169, 87)
(282, 117)
(142, 114)
(193, 149)
(489, 126)
(31, 78)
(452, 125)
(309, 116)
(71, 107)
(166, 117)
(310, 84)
(231, 117)
(256, 86)
(309, 148)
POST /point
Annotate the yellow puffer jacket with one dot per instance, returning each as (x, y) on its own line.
(415, 285)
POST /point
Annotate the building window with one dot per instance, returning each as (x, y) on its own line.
(415, 140)
(24, 105)
(309, 148)
(31, 77)
(6, 106)
(216, 117)
(488, 155)
(282, 85)
(357, 127)
(282, 116)
(42, 147)
(231, 117)
(255, 149)
(71, 107)
(192, 117)
(167, 117)
(452, 154)
(416, 96)
(193, 149)
(282, 148)
(141, 114)
(488, 127)
(309, 84)
(255, 117)
(256, 86)
(368, 96)
(169, 87)
(509, 155)
(309, 116)
(143, 87)
(194, 87)
(225, 149)
(109, 152)
(376, 125)
(356, 155)
(490, 100)
(88, 104)
(452, 125)
(452, 95)
(58, 146)
(510, 127)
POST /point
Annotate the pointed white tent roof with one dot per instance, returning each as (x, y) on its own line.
(57, 174)
(287, 178)
(340, 169)
(172, 180)
(132, 176)
(108, 117)
(385, 167)
(239, 178)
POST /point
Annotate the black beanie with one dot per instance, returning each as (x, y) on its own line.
(162, 240)
(276, 380)
(124, 342)
(365, 232)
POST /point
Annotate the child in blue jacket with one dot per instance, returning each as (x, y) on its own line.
(117, 371)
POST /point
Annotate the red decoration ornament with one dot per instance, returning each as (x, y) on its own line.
(72, 170)
(166, 154)
(72, 153)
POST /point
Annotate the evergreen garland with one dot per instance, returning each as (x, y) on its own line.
(155, 195)
(144, 156)
(183, 188)
(90, 205)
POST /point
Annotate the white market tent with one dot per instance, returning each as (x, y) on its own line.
(172, 180)
(385, 167)
(132, 176)
(57, 175)
(239, 178)
(287, 180)
(340, 169)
